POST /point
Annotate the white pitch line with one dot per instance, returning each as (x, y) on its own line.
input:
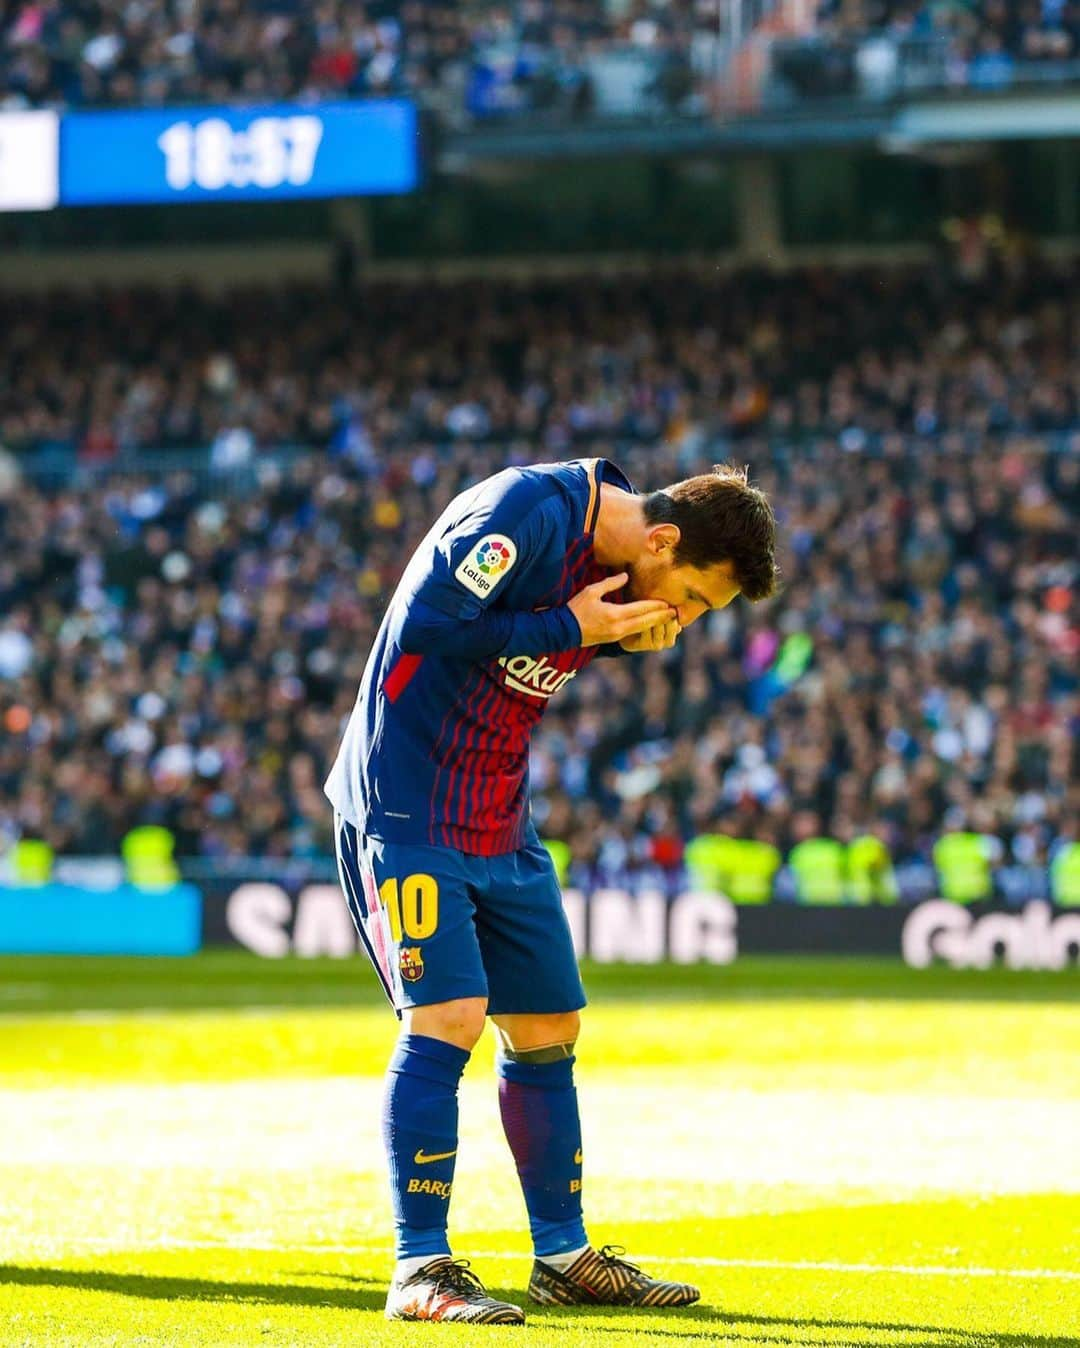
(909, 1270)
(704, 1261)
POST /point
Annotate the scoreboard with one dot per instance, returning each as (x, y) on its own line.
(258, 153)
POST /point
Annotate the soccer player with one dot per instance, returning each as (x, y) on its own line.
(514, 590)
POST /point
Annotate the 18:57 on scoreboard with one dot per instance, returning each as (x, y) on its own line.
(238, 154)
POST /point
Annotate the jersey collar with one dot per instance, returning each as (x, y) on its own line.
(599, 471)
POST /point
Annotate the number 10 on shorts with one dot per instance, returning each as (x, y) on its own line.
(412, 906)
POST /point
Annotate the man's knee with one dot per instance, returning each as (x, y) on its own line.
(539, 1039)
(459, 1022)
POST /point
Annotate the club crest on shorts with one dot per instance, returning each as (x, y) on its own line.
(411, 963)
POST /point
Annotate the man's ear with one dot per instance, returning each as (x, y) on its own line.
(663, 538)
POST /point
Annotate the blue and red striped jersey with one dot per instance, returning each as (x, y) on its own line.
(476, 639)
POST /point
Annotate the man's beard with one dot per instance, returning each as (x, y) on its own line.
(642, 579)
(632, 588)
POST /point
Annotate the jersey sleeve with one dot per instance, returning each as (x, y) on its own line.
(454, 607)
(502, 536)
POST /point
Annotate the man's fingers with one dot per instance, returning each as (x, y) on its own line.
(610, 583)
(600, 621)
(629, 624)
(654, 610)
(654, 637)
(665, 634)
(632, 627)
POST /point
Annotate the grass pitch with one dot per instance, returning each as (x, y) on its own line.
(846, 1154)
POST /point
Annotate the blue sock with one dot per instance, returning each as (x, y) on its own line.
(539, 1108)
(420, 1120)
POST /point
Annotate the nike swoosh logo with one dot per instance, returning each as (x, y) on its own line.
(577, 1156)
(421, 1159)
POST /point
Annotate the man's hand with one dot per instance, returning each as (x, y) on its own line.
(601, 623)
(659, 638)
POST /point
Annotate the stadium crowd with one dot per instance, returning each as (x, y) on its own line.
(174, 650)
(497, 58)
(673, 357)
(479, 59)
(985, 40)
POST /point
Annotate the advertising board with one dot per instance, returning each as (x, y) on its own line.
(613, 926)
(59, 919)
(308, 917)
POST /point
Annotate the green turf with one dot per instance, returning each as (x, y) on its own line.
(223, 978)
(842, 1153)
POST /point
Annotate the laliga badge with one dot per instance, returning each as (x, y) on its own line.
(484, 566)
(411, 964)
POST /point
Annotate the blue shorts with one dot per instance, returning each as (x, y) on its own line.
(439, 924)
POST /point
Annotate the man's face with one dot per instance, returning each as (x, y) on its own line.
(689, 590)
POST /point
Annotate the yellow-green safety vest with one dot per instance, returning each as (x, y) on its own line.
(709, 859)
(1065, 876)
(32, 862)
(754, 866)
(148, 857)
(818, 865)
(870, 874)
(560, 855)
(963, 867)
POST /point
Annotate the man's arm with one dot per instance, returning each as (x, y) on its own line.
(587, 620)
(429, 631)
(506, 530)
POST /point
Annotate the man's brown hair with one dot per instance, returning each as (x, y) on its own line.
(721, 518)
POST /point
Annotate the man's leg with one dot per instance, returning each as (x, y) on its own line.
(539, 1108)
(414, 916)
(420, 1123)
(534, 994)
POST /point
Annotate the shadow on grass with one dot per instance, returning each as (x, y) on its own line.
(366, 1294)
(738, 1327)
(369, 1294)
